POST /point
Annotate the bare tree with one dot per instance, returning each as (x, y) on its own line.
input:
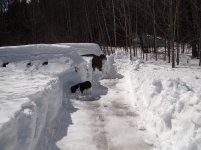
(114, 23)
(177, 29)
(154, 29)
(171, 34)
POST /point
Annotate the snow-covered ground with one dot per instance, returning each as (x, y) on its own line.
(133, 105)
(109, 123)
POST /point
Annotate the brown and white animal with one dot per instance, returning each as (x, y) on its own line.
(81, 87)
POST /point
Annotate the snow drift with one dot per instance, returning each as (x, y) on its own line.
(168, 101)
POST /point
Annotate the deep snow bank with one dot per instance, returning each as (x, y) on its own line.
(31, 95)
(25, 129)
(169, 102)
(18, 80)
(37, 52)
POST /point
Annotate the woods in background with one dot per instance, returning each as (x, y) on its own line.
(110, 23)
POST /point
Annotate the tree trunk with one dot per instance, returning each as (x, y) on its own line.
(178, 51)
(183, 47)
(200, 49)
(154, 29)
(194, 49)
(88, 22)
(200, 58)
(172, 32)
(177, 25)
(105, 23)
(136, 33)
(165, 50)
(114, 24)
(125, 25)
(169, 52)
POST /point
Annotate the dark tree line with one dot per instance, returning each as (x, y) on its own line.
(110, 23)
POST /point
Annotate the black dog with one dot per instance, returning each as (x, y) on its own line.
(81, 86)
(97, 61)
(5, 64)
(45, 63)
(29, 64)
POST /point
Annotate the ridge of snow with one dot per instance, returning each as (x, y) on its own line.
(32, 112)
(85, 48)
(168, 101)
(37, 52)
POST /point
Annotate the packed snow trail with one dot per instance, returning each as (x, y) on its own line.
(108, 123)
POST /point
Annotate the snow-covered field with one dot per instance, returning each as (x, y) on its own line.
(133, 105)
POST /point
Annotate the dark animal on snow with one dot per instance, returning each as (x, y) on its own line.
(81, 86)
(45, 63)
(76, 69)
(5, 64)
(97, 61)
(29, 64)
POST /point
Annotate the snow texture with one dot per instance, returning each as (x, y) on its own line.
(32, 114)
(168, 101)
(106, 123)
(85, 48)
(133, 104)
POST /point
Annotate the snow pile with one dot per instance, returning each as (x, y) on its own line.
(37, 52)
(33, 87)
(25, 129)
(169, 102)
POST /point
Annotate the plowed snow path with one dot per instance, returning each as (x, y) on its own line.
(106, 124)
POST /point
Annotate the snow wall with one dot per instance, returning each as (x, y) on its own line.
(169, 102)
(42, 119)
